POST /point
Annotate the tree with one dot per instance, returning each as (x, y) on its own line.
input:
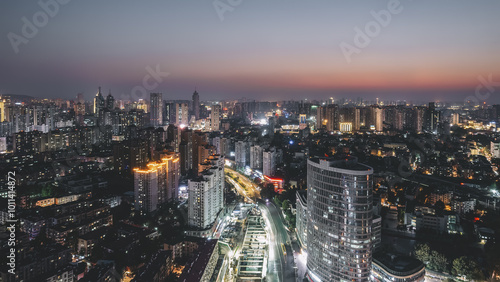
(438, 262)
(285, 205)
(466, 267)
(277, 201)
(423, 253)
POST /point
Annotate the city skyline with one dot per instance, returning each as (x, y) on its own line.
(252, 50)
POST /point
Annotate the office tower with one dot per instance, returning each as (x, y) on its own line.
(110, 102)
(339, 228)
(206, 194)
(215, 118)
(157, 184)
(196, 105)
(269, 162)
(240, 153)
(99, 103)
(156, 108)
(256, 153)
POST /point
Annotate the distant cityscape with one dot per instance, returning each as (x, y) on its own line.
(103, 189)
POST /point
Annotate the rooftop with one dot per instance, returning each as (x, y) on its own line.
(196, 267)
(398, 264)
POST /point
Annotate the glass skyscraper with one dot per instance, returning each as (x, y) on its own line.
(339, 227)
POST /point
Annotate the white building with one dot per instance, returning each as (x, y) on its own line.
(495, 148)
(241, 149)
(256, 154)
(206, 194)
(181, 114)
(339, 220)
(215, 118)
(269, 162)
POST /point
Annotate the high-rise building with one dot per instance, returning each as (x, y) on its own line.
(206, 194)
(256, 153)
(110, 102)
(269, 162)
(157, 184)
(99, 103)
(332, 117)
(455, 118)
(432, 118)
(181, 115)
(339, 227)
(196, 105)
(215, 118)
(240, 153)
(156, 108)
(146, 189)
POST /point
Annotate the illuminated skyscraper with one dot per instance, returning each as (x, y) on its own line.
(196, 104)
(99, 102)
(157, 184)
(156, 109)
(339, 226)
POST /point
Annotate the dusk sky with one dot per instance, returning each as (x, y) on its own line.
(430, 50)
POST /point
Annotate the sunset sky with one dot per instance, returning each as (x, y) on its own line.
(431, 50)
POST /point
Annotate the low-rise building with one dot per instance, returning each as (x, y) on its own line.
(397, 268)
(201, 267)
(158, 269)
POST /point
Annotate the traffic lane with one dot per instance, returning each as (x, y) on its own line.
(276, 261)
(287, 259)
(300, 258)
(277, 217)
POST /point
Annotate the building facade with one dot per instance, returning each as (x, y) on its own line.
(339, 228)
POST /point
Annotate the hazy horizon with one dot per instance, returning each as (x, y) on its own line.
(427, 51)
